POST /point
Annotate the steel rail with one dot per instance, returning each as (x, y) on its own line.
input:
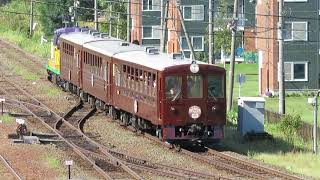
(74, 148)
(146, 163)
(9, 167)
(101, 148)
(169, 172)
(219, 164)
(265, 169)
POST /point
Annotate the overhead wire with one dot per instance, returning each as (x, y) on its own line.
(54, 3)
(256, 32)
(178, 31)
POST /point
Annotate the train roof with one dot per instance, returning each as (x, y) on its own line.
(136, 54)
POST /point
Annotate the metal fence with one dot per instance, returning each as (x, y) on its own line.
(305, 131)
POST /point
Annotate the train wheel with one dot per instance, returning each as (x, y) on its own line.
(159, 133)
(177, 147)
(124, 119)
(113, 113)
(92, 101)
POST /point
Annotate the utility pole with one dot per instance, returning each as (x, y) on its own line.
(118, 26)
(110, 20)
(128, 20)
(31, 19)
(75, 7)
(96, 25)
(192, 55)
(164, 20)
(281, 68)
(211, 59)
(232, 61)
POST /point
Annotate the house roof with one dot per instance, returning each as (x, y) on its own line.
(133, 53)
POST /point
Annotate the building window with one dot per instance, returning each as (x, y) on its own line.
(196, 41)
(151, 32)
(296, 71)
(295, 31)
(151, 5)
(193, 13)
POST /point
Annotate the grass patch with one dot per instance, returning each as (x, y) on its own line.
(53, 162)
(302, 163)
(50, 91)
(31, 45)
(295, 157)
(6, 118)
(24, 73)
(294, 105)
(250, 87)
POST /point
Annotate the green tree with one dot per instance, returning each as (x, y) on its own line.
(15, 22)
(118, 20)
(53, 12)
(222, 21)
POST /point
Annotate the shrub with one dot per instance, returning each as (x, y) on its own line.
(232, 117)
(289, 126)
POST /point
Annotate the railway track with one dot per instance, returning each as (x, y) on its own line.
(240, 168)
(70, 129)
(137, 164)
(253, 167)
(50, 119)
(10, 169)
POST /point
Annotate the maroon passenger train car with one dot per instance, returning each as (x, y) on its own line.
(175, 98)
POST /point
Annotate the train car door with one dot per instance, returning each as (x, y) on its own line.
(78, 66)
(107, 81)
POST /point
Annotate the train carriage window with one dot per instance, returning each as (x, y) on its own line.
(131, 78)
(136, 79)
(149, 84)
(128, 72)
(116, 74)
(140, 81)
(94, 64)
(194, 86)
(215, 86)
(173, 87)
(99, 66)
(154, 85)
(136, 74)
(86, 57)
(106, 67)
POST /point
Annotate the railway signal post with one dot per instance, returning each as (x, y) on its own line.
(69, 164)
(314, 103)
(2, 101)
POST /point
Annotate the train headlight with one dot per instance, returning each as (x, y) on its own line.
(194, 112)
(194, 67)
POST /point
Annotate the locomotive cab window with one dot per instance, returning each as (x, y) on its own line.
(194, 86)
(173, 87)
(215, 86)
